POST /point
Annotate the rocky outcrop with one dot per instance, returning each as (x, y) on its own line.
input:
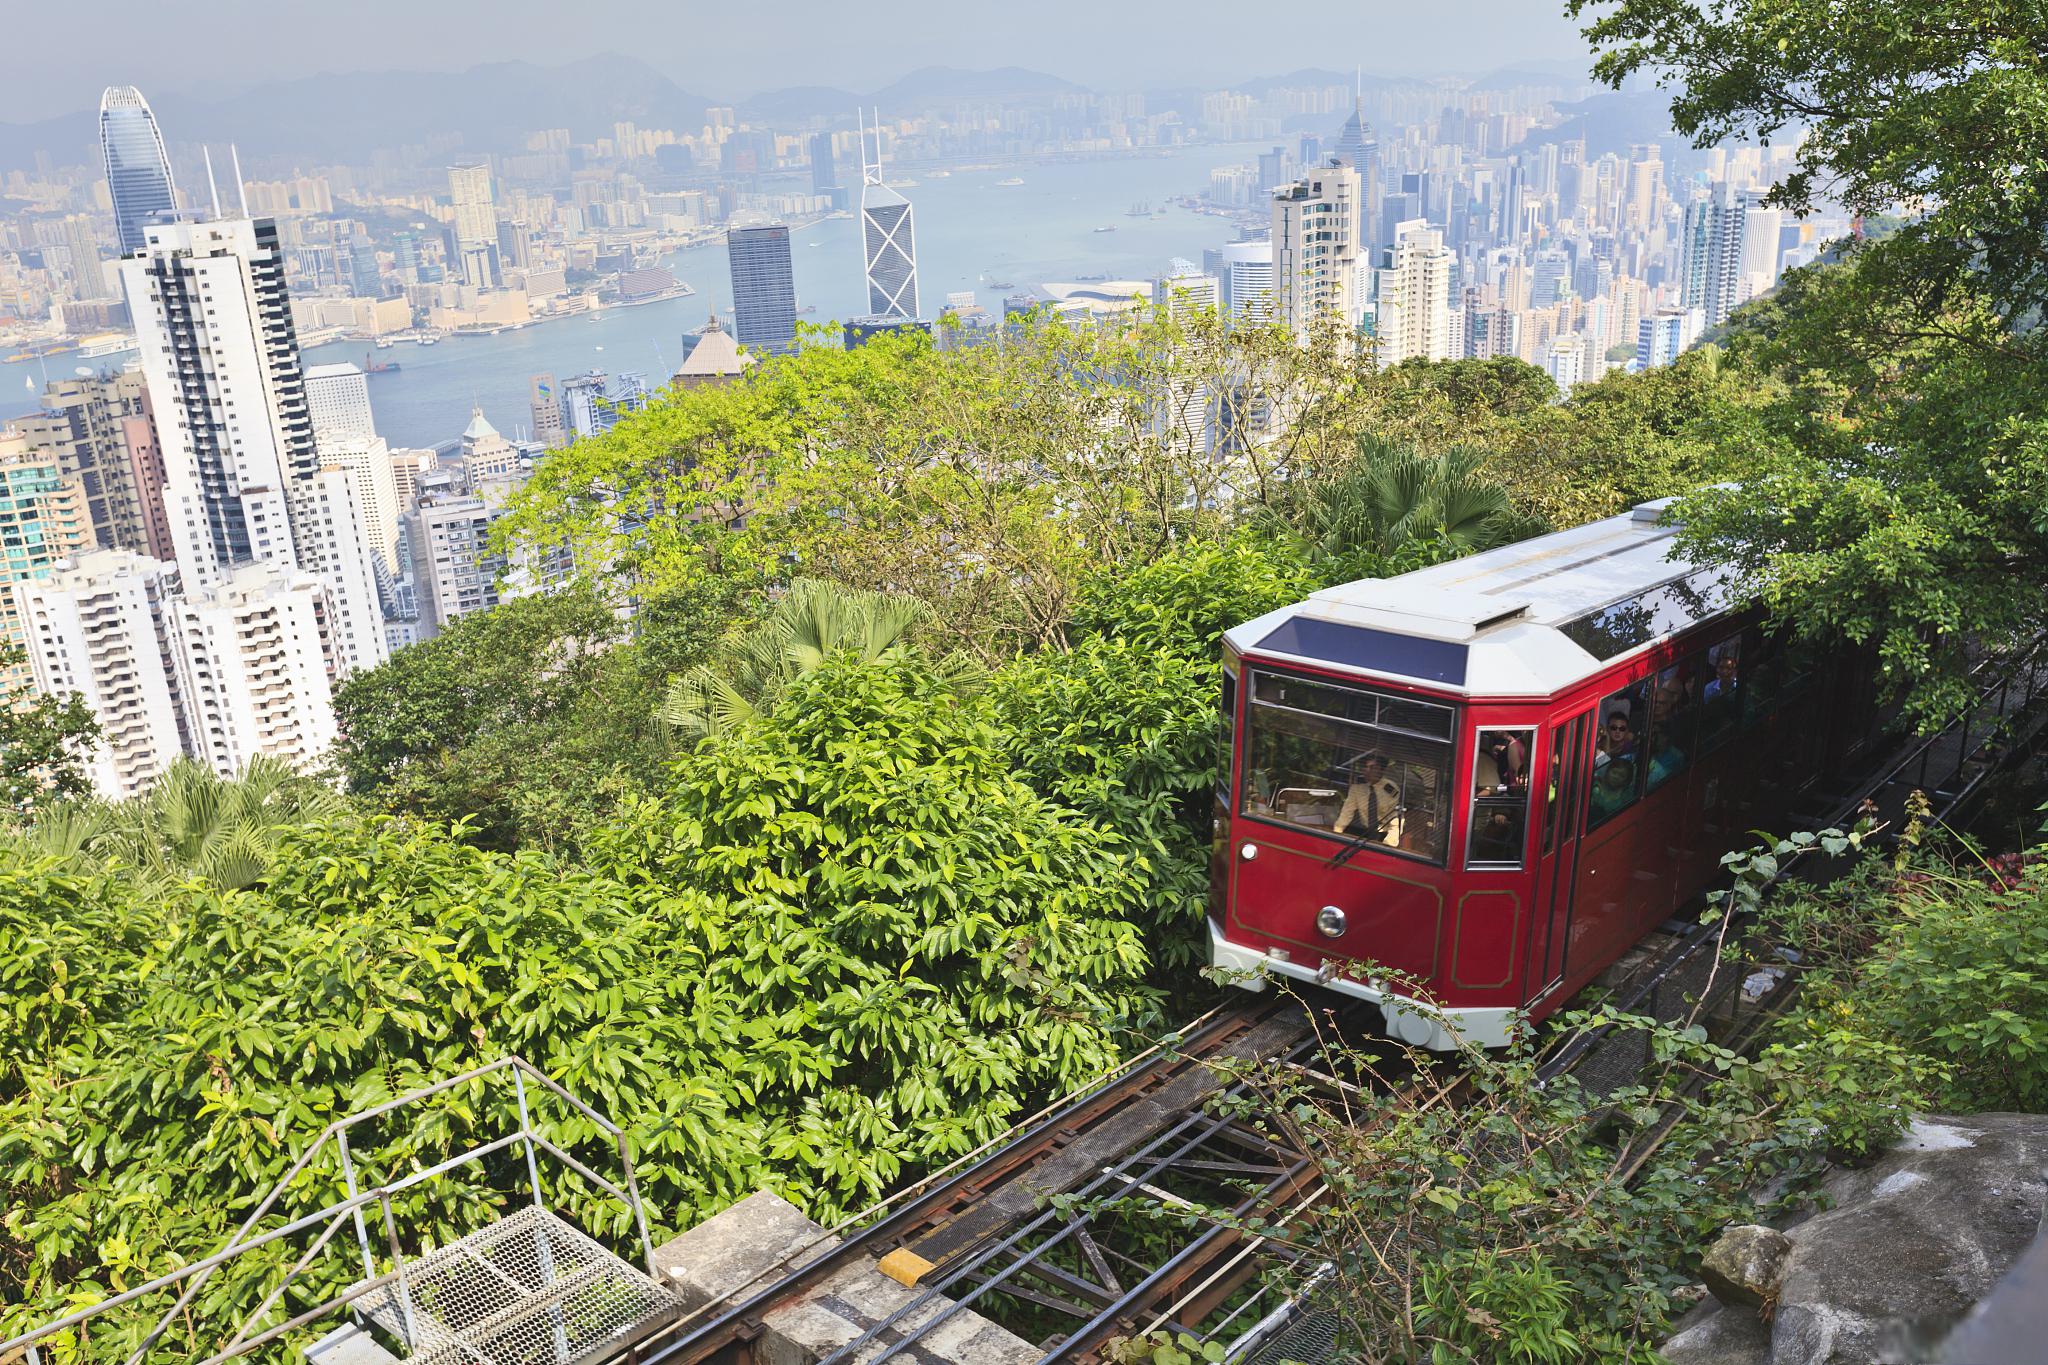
(1904, 1250)
(1745, 1265)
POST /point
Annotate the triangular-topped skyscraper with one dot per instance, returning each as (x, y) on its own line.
(888, 237)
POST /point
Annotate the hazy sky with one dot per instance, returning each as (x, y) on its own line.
(735, 47)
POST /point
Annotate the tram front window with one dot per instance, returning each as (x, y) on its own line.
(1352, 762)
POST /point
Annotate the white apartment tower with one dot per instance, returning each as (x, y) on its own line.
(338, 397)
(1317, 224)
(252, 668)
(214, 327)
(1415, 296)
(96, 626)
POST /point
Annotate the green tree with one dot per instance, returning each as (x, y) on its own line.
(191, 823)
(812, 621)
(1935, 104)
(527, 720)
(43, 741)
(1395, 508)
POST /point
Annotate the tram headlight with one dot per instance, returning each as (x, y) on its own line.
(1330, 922)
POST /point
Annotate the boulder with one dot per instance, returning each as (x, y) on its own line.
(1743, 1266)
(1904, 1249)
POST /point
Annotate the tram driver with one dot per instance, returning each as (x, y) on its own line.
(1372, 804)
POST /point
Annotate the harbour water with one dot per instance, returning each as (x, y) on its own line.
(973, 234)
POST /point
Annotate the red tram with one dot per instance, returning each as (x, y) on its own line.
(1498, 774)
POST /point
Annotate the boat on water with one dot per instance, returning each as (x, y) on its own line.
(1141, 209)
(385, 343)
(1013, 180)
(1110, 228)
(378, 367)
(936, 175)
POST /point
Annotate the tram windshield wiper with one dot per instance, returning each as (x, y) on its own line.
(1351, 845)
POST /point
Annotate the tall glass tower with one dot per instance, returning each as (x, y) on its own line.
(889, 236)
(763, 287)
(138, 172)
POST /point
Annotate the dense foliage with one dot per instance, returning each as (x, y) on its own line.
(43, 739)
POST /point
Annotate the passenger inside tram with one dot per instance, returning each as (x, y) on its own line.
(1614, 788)
(1617, 737)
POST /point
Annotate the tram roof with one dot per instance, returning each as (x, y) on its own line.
(1528, 619)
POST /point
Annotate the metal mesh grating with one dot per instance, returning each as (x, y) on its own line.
(1310, 1339)
(526, 1290)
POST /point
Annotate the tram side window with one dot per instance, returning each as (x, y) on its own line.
(1500, 798)
(1331, 759)
(1721, 700)
(1618, 759)
(1227, 737)
(1674, 713)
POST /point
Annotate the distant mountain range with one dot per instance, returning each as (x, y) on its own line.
(316, 119)
(345, 117)
(921, 89)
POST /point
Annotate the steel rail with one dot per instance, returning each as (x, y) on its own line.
(1016, 1151)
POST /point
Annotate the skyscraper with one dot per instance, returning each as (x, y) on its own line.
(763, 287)
(338, 398)
(547, 413)
(1358, 148)
(1316, 248)
(213, 323)
(138, 172)
(252, 668)
(1245, 272)
(824, 168)
(242, 476)
(476, 224)
(889, 236)
(1712, 266)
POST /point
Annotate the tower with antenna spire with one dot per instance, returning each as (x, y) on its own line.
(1358, 148)
(888, 236)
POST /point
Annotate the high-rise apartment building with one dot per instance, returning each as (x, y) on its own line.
(1316, 248)
(1414, 320)
(763, 287)
(889, 241)
(1664, 336)
(338, 399)
(455, 572)
(42, 520)
(366, 461)
(476, 225)
(547, 413)
(213, 322)
(824, 165)
(336, 544)
(1712, 267)
(96, 626)
(138, 172)
(1565, 361)
(251, 654)
(99, 432)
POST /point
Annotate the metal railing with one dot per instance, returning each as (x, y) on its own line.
(27, 1346)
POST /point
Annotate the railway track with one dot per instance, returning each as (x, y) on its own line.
(1052, 1233)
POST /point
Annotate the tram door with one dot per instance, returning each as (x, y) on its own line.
(1556, 868)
